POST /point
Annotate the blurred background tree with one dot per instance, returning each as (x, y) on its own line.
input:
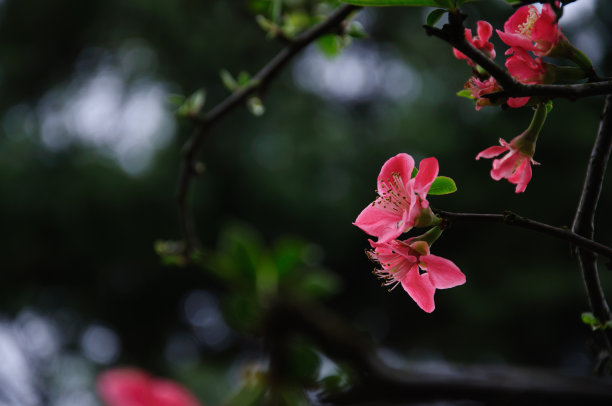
(90, 154)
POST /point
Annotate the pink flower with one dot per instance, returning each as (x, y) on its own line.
(526, 70)
(401, 200)
(481, 41)
(133, 387)
(514, 166)
(479, 88)
(403, 261)
(532, 30)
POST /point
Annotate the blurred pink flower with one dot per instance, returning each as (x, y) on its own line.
(532, 30)
(480, 41)
(514, 166)
(133, 387)
(402, 262)
(401, 200)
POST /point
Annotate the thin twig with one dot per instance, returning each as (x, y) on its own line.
(453, 33)
(518, 221)
(584, 221)
(258, 83)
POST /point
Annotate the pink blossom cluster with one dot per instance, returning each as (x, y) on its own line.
(527, 30)
(134, 387)
(401, 205)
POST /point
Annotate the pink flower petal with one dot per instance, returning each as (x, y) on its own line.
(383, 224)
(428, 170)
(484, 30)
(516, 102)
(491, 152)
(521, 176)
(420, 289)
(504, 167)
(515, 40)
(443, 273)
(401, 164)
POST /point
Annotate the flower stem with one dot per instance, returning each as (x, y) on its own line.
(525, 142)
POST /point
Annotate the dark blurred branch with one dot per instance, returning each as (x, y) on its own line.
(382, 384)
(453, 33)
(259, 82)
(518, 221)
(584, 221)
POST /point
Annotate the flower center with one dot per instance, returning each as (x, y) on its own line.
(526, 27)
(394, 196)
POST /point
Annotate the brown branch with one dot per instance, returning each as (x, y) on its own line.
(584, 221)
(522, 222)
(453, 33)
(259, 82)
(379, 383)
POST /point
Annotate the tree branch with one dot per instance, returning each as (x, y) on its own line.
(453, 33)
(259, 82)
(585, 217)
(518, 221)
(379, 383)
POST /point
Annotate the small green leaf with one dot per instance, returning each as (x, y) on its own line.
(467, 93)
(415, 170)
(442, 185)
(192, 105)
(589, 319)
(356, 30)
(243, 79)
(549, 106)
(381, 3)
(228, 80)
(330, 45)
(434, 16)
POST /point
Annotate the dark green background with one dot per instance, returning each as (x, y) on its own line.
(78, 231)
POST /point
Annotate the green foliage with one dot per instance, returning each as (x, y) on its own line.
(467, 93)
(188, 106)
(254, 274)
(434, 16)
(442, 185)
(592, 321)
(330, 45)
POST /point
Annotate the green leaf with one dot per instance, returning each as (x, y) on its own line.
(461, 2)
(244, 78)
(442, 185)
(467, 93)
(549, 106)
(589, 319)
(228, 80)
(434, 16)
(380, 3)
(415, 170)
(330, 45)
(193, 104)
(445, 3)
(356, 30)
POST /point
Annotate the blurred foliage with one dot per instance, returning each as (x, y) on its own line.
(79, 229)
